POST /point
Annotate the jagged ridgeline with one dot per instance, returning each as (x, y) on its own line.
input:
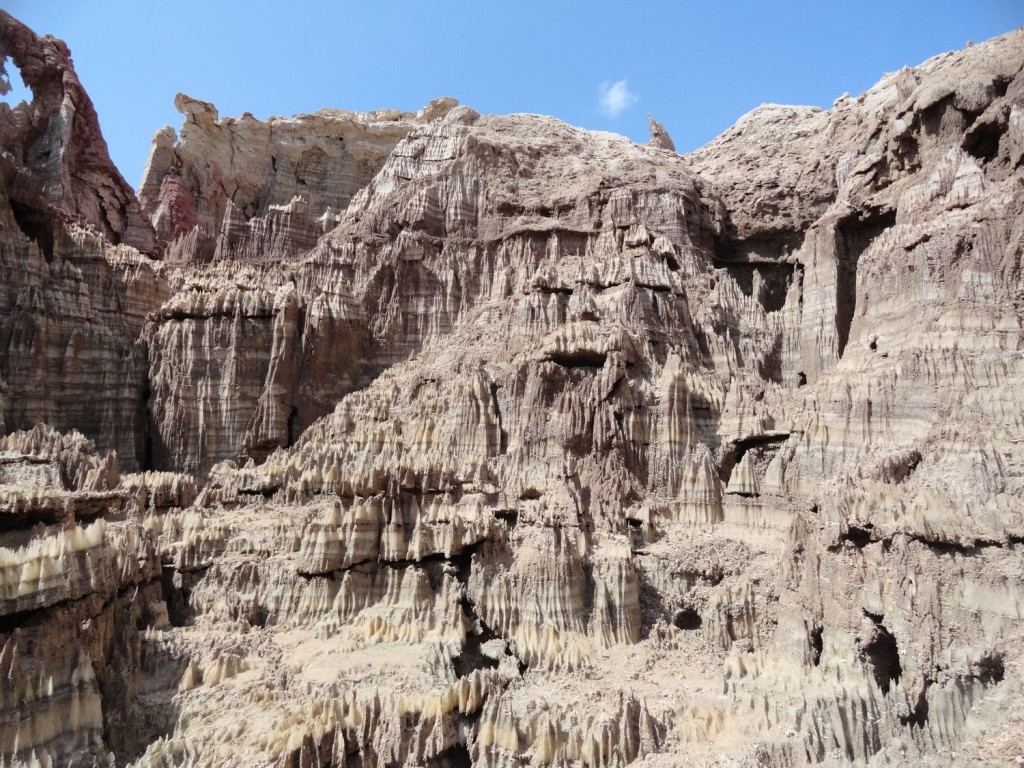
(441, 439)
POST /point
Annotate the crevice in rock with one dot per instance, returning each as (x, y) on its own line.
(992, 669)
(616, 389)
(22, 521)
(862, 535)
(36, 225)
(857, 535)
(855, 235)
(882, 655)
(175, 595)
(456, 756)
(918, 716)
(12, 621)
(580, 358)
(816, 643)
(758, 441)
(904, 468)
(508, 516)
(146, 427)
(266, 492)
(635, 531)
(293, 429)
(652, 606)
(502, 433)
(662, 289)
(981, 139)
(472, 657)
(18, 619)
(551, 289)
(181, 314)
(955, 547)
(770, 368)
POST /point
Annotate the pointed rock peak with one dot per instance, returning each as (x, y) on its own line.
(659, 136)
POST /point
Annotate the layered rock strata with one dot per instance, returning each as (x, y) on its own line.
(452, 439)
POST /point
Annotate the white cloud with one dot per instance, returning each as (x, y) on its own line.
(616, 98)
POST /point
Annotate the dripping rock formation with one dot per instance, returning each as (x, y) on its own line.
(441, 439)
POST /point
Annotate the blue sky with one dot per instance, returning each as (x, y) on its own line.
(697, 66)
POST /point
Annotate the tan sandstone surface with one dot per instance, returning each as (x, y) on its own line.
(442, 439)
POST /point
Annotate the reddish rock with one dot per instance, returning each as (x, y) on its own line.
(54, 157)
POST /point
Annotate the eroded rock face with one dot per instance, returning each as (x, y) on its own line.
(54, 162)
(75, 279)
(457, 440)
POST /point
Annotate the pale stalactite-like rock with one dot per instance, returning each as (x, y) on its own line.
(72, 596)
(453, 439)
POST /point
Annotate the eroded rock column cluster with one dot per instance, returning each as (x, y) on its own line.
(441, 439)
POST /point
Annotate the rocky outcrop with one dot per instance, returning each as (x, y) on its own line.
(54, 162)
(455, 440)
(253, 190)
(659, 136)
(75, 279)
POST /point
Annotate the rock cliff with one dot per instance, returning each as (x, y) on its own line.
(441, 439)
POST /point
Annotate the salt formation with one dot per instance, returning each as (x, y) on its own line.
(441, 439)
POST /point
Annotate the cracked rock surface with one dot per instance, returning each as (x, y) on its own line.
(446, 439)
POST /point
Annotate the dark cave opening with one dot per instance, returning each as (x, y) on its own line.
(919, 714)
(814, 639)
(294, 430)
(35, 225)
(580, 358)
(982, 141)
(19, 521)
(175, 597)
(687, 619)
(472, 656)
(992, 670)
(145, 450)
(13, 621)
(855, 233)
(882, 655)
(456, 756)
(764, 255)
(508, 516)
(775, 279)
(859, 536)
